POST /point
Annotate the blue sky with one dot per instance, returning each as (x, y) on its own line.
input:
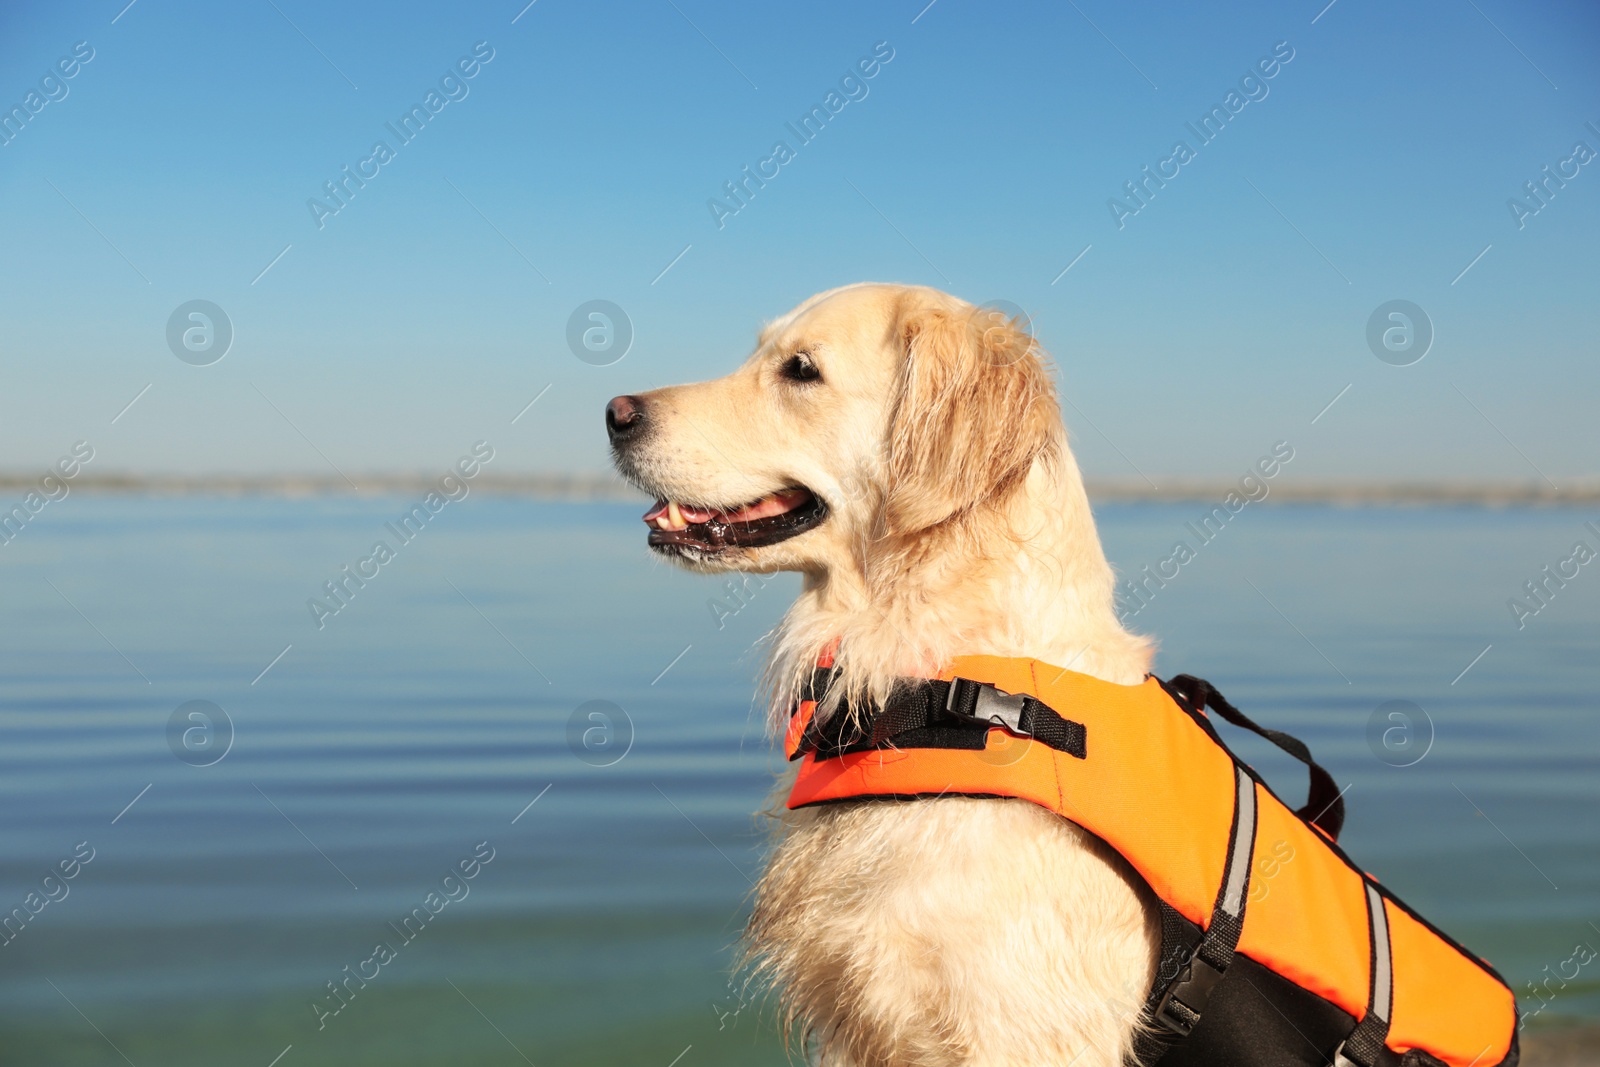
(423, 316)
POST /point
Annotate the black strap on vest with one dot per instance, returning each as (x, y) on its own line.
(1186, 978)
(929, 713)
(1365, 1046)
(1324, 806)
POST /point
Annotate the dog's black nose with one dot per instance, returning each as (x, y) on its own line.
(624, 417)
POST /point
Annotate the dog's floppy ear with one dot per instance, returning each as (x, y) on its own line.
(976, 406)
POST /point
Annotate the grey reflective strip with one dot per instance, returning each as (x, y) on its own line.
(1244, 843)
(1382, 969)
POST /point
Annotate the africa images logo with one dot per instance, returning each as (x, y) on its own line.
(852, 87)
(452, 87)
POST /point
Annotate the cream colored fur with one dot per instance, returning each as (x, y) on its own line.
(943, 931)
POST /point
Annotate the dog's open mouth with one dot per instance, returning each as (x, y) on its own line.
(773, 518)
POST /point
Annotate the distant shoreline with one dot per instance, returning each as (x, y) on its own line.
(598, 487)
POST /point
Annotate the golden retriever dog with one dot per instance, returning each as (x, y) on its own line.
(903, 451)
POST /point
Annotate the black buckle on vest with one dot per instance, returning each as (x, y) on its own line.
(1186, 998)
(983, 703)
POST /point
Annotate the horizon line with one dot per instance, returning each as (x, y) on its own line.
(594, 486)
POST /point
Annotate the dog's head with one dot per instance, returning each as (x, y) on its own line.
(867, 415)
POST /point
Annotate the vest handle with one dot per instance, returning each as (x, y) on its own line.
(1324, 807)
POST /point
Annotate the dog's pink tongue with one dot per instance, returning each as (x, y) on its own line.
(776, 504)
(689, 514)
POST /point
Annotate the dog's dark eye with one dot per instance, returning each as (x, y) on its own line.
(800, 367)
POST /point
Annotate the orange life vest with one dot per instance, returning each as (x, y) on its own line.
(1276, 948)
